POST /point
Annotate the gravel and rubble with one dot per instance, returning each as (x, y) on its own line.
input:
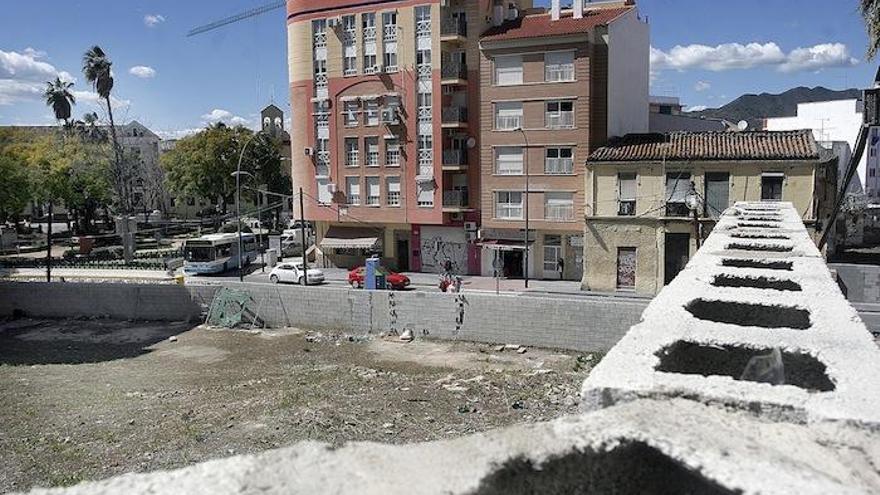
(89, 399)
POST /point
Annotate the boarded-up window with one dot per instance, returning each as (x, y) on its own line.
(717, 193)
(626, 268)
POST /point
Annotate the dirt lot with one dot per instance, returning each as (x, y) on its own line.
(88, 399)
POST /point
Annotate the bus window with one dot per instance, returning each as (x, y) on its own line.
(199, 253)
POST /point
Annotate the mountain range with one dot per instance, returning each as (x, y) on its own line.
(753, 108)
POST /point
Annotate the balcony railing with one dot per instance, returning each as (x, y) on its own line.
(559, 166)
(425, 114)
(392, 158)
(354, 199)
(559, 213)
(508, 122)
(369, 34)
(453, 26)
(626, 208)
(457, 199)
(321, 39)
(451, 69)
(453, 115)
(389, 32)
(677, 210)
(455, 157)
(423, 29)
(560, 120)
(393, 198)
(424, 71)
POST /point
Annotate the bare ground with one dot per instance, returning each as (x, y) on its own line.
(89, 399)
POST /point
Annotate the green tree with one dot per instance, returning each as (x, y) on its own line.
(60, 99)
(871, 13)
(202, 165)
(16, 192)
(97, 70)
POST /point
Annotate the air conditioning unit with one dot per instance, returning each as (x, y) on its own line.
(331, 188)
(334, 22)
(389, 116)
(309, 151)
(470, 226)
(456, 217)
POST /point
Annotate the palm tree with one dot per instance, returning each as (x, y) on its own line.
(97, 69)
(871, 13)
(59, 97)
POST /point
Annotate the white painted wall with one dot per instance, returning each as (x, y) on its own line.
(830, 121)
(628, 55)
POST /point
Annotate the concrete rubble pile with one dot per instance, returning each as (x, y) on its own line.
(749, 373)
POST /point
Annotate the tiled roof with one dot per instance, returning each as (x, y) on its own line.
(539, 25)
(680, 146)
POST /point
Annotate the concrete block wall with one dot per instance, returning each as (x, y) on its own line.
(575, 323)
(757, 284)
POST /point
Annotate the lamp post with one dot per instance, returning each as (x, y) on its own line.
(525, 204)
(237, 175)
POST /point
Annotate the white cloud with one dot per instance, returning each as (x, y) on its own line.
(702, 85)
(23, 75)
(819, 57)
(92, 98)
(142, 71)
(696, 108)
(152, 20)
(220, 115)
(729, 56)
(177, 133)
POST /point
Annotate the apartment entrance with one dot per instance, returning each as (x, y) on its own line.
(676, 254)
(402, 255)
(513, 263)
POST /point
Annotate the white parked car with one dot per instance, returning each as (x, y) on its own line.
(293, 272)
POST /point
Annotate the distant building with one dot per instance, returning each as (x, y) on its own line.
(666, 115)
(639, 231)
(838, 121)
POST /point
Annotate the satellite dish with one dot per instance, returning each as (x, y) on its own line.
(742, 125)
(471, 142)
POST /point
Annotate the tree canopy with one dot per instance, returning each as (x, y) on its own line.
(202, 165)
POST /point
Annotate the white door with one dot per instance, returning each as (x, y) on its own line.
(552, 255)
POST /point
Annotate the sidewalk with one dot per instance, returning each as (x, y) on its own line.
(90, 274)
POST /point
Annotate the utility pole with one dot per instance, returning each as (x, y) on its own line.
(302, 233)
(49, 242)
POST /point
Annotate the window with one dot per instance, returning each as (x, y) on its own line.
(626, 194)
(509, 160)
(717, 193)
(350, 113)
(425, 145)
(424, 106)
(771, 186)
(423, 21)
(626, 268)
(559, 206)
(373, 195)
(508, 115)
(368, 21)
(370, 66)
(677, 186)
(324, 196)
(423, 65)
(371, 112)
(392, 189)
(559, 161)
(508, 70)
(426, 196)
(349, 64)
(351, 152)
(560, 114)
(389, 58)
(392, 153)
(389, 26)
(552, 253)
(371, 144)
(509, 205)
(319, 33)
(349, 46)
(559, 66)
(353, 190)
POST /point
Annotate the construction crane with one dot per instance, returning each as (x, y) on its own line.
(237, 17)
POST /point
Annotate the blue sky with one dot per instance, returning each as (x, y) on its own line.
(706, 52)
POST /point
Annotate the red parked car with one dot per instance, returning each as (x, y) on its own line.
(392, 280)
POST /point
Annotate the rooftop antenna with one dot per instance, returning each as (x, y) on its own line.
(742, 125)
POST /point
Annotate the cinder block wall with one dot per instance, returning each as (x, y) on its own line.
(573, 323)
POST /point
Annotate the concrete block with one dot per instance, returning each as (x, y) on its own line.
(733, 303)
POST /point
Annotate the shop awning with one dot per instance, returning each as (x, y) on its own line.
(350, 238)
(503, 244)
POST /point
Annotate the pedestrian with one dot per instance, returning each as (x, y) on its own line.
(560, 265)
(447, 266)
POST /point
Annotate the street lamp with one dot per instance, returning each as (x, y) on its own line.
(237, 175)
(525, 204)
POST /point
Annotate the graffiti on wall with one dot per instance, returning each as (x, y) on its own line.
(437, 249)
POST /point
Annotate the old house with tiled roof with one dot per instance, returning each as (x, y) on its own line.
(651, 197)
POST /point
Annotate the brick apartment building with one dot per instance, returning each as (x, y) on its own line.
(554, 86)
(394, 139)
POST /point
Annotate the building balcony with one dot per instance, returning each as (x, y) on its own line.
(455, 159)
(453, 29)
(453, 117)
(452, 72)
(455, 201)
